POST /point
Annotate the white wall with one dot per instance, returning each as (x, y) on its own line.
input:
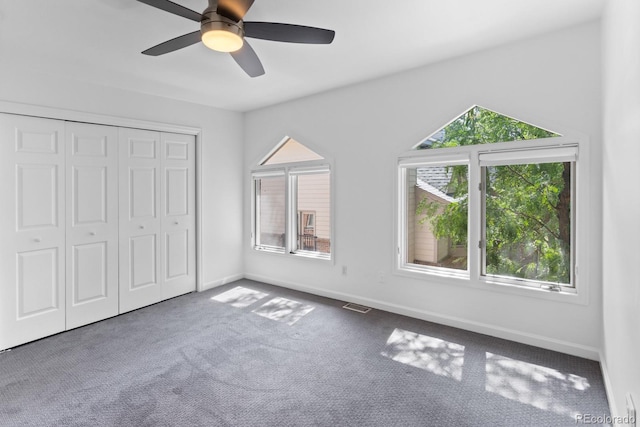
(552, 81)
(221, 150)
(621, 200)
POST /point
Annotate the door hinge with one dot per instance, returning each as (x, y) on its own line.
(480, 186)
(480, 244)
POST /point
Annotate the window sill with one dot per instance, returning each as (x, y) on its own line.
(569, 295)
(419, 272)
(312, 255)
(269, 250)
(298, 254)
(462, 278)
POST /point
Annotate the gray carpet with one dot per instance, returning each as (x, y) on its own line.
(267, 356)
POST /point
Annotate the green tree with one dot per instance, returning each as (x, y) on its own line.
(528, 207)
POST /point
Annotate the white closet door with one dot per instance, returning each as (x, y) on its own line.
(178, 214)
(92, 223)
(140, 212)
(32, 249)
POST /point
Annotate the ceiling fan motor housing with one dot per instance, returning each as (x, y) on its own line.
(212, 21)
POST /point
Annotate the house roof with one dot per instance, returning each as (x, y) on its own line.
(433, 190)
(436, 176)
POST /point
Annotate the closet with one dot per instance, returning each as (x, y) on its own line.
(96, 221)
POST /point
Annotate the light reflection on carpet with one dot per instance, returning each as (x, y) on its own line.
(283, 310)
(437, 356)
(240, 297)
(539, 386)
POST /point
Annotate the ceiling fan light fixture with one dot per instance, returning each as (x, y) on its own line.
(222, 40)
(222, 34)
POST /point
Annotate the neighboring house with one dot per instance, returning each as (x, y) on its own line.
(314, 211)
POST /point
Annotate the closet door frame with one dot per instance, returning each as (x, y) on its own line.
(100, 119)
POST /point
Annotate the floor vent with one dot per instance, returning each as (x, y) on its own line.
(357, 307)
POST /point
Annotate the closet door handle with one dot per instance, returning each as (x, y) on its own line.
(142, 227)
(92, 233)
(176, 223)
(37, 240)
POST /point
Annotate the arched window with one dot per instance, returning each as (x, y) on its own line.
(491, 197)
(292, 202)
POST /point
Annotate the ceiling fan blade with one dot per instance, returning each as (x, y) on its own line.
(176, 9)
(248, 60)
(288, 33)
(174, 44)
(234, 9)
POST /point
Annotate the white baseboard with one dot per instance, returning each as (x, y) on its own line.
(220, 282)
(608, 388)
(482, 328)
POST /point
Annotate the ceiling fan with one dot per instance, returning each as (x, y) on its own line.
(222, 28)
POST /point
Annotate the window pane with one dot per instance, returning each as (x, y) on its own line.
(270, 211)
(314, 213)
(528, 212)
(437, 200)
(481, 126)
(291, 151)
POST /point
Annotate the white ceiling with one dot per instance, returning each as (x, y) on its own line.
(99, 41)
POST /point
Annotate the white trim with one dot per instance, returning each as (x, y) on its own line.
(534, 155)
(216, 283)
(573, 349)
(307, 164)
(608, 387)
(299, 170)
(101, 119)
(268, 173)
(273, 151)
(199, 216)
(433, 158)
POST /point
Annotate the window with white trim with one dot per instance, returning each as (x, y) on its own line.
(528, 210)
(292, 202)
(430, 203)
(269, 191)
(503, 213)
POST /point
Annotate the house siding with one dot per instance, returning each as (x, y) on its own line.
(314, 194)
(272, 211)
(427, 248)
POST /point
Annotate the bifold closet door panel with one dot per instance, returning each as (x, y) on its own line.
(92, 223)
(32, 243)
(178, 214)
(140, 249)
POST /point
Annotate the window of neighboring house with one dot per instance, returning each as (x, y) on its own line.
(303, 192)
(306, 231)
(522, 215)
